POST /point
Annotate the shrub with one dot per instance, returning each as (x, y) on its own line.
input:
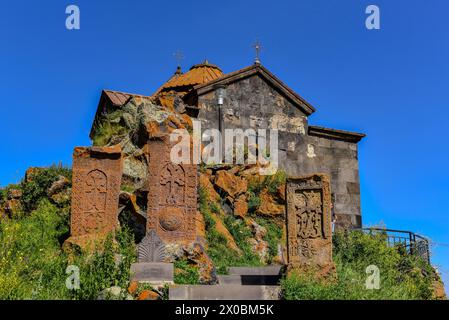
(38, 183)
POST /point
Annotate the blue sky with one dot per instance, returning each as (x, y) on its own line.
(391, 84)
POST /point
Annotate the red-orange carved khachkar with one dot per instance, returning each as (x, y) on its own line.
(97, 173)
(172, 193)
(309, 226)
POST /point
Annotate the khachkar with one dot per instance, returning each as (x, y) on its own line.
(97, 173)
(172, 193)
(309, 226)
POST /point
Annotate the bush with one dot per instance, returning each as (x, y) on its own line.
(38, 184)
(241, 234)
(402, 276)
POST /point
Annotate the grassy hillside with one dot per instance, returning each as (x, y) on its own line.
(402, 276)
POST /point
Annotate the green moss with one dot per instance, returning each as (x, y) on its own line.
(127, 188)
(401, 276)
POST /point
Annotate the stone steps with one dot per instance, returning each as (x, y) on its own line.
(268, 276)
(248, 280)
(224, 292)
(256, 271)
(242, 283)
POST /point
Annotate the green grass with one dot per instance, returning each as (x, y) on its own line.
(33, 266)
(253, 201)
(241, 234)
(101, 270)
(273, 236)
(218, 250)
(186, 273)
(402, 276)
(271, 182)
(105, 131)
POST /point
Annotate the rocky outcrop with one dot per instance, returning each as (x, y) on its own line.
(258, 244)
(231, 184)
(241, 206)
(268, 205)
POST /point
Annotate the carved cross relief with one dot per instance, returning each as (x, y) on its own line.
(95, 191)
(308, 209)
(173, 180)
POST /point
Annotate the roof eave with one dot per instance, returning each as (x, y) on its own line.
(335, 134)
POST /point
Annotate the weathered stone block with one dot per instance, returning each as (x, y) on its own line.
(309, 227)
(155, 273)
(353, 188)
(97, 173)
(172, 194)
(256, 271)
(223, 292)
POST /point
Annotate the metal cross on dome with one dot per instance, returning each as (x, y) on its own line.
(258, 47)
(178, 56)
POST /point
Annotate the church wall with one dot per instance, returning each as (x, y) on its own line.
(253, 103)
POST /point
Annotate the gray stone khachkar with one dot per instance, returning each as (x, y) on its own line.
(151, 267)
(309, 227)
(151, 249)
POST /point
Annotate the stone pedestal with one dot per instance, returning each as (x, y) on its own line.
(154, 273)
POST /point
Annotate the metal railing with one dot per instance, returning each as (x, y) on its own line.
(412, 243)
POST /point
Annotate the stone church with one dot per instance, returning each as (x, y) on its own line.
(253, 97)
